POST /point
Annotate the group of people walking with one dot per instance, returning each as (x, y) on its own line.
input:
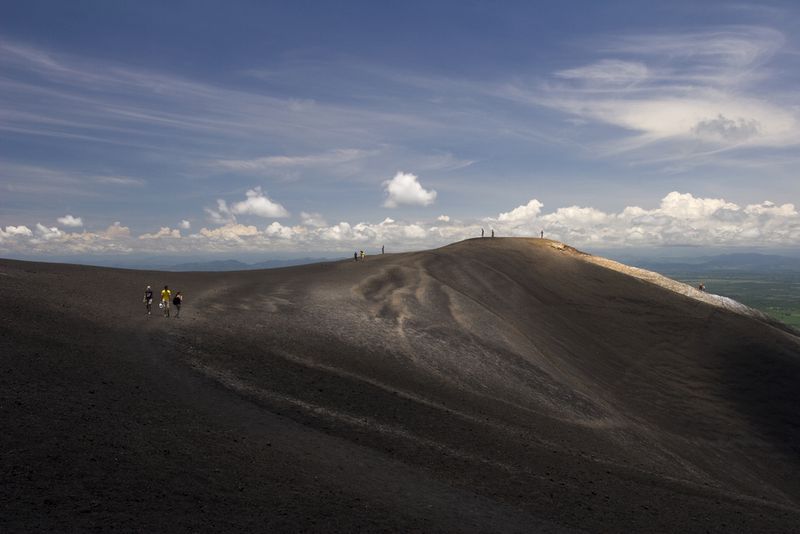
(361, 255)
(164, 303)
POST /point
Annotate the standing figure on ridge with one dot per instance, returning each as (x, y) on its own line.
(481, 232)
(148, 300)
(362, 255)
(541, 234)
(355, 256)
(165, 298)
(492, 232)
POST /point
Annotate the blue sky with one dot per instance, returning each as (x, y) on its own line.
(280, 128)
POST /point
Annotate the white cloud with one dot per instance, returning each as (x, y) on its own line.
(443, 218)
(324, 159)
(163, 232)
(47, 233)
(734, 47)
(116, 230)
(692, 93)
(229, 232)
(608, 72)
(13, 233)
(276, 229)
(222, 215)
(258, 204)
(69, 220)
(678, 219)
(185, 225)
(405, 188)
(685, 206)
(522, 213)
(18, 231)
(312, 219)
(120, 180)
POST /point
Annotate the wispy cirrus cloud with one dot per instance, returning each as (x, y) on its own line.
(688, 93)
(324, 159)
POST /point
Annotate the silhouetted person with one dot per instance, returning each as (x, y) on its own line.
(702, 287)
(541, 234)
(481, 232)
(177, 301)
(383, 250)
(165, 298)
(492, 232)
(355, 256)
(148, 300)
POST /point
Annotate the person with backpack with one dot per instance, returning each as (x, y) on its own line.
(165, 298)
(177, 301)
(148, 300)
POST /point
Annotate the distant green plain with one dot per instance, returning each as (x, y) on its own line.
(775, 293)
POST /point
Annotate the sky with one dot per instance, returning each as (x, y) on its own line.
(274, 129)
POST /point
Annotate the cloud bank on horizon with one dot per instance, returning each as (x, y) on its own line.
(680, 220)
(262, 138)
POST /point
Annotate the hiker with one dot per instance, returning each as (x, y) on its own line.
(355, 256)
(492, 232)
(702, 287)
(148, 299)
(362, 255)
(541, 234)
(383, 250)
(165, 298)
(177, 301)
(481, 232)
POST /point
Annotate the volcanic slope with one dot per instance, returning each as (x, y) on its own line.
(505, 384)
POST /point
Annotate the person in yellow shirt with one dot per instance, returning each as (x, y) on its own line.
(166, 295)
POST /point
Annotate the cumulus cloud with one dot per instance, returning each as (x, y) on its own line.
(221, 215)
(229, 232)
(116, 230)
(312, 219)
(258, 204)
(47, 233)
(23, 231)
(522, 213)
(69, 220)
(405, 188)
(725, 129)
(276, 229)
(680, 219)
(185, 225)
(13, 233)
(443, 218)
(163, 232)
(677, 219)
(686, 206)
